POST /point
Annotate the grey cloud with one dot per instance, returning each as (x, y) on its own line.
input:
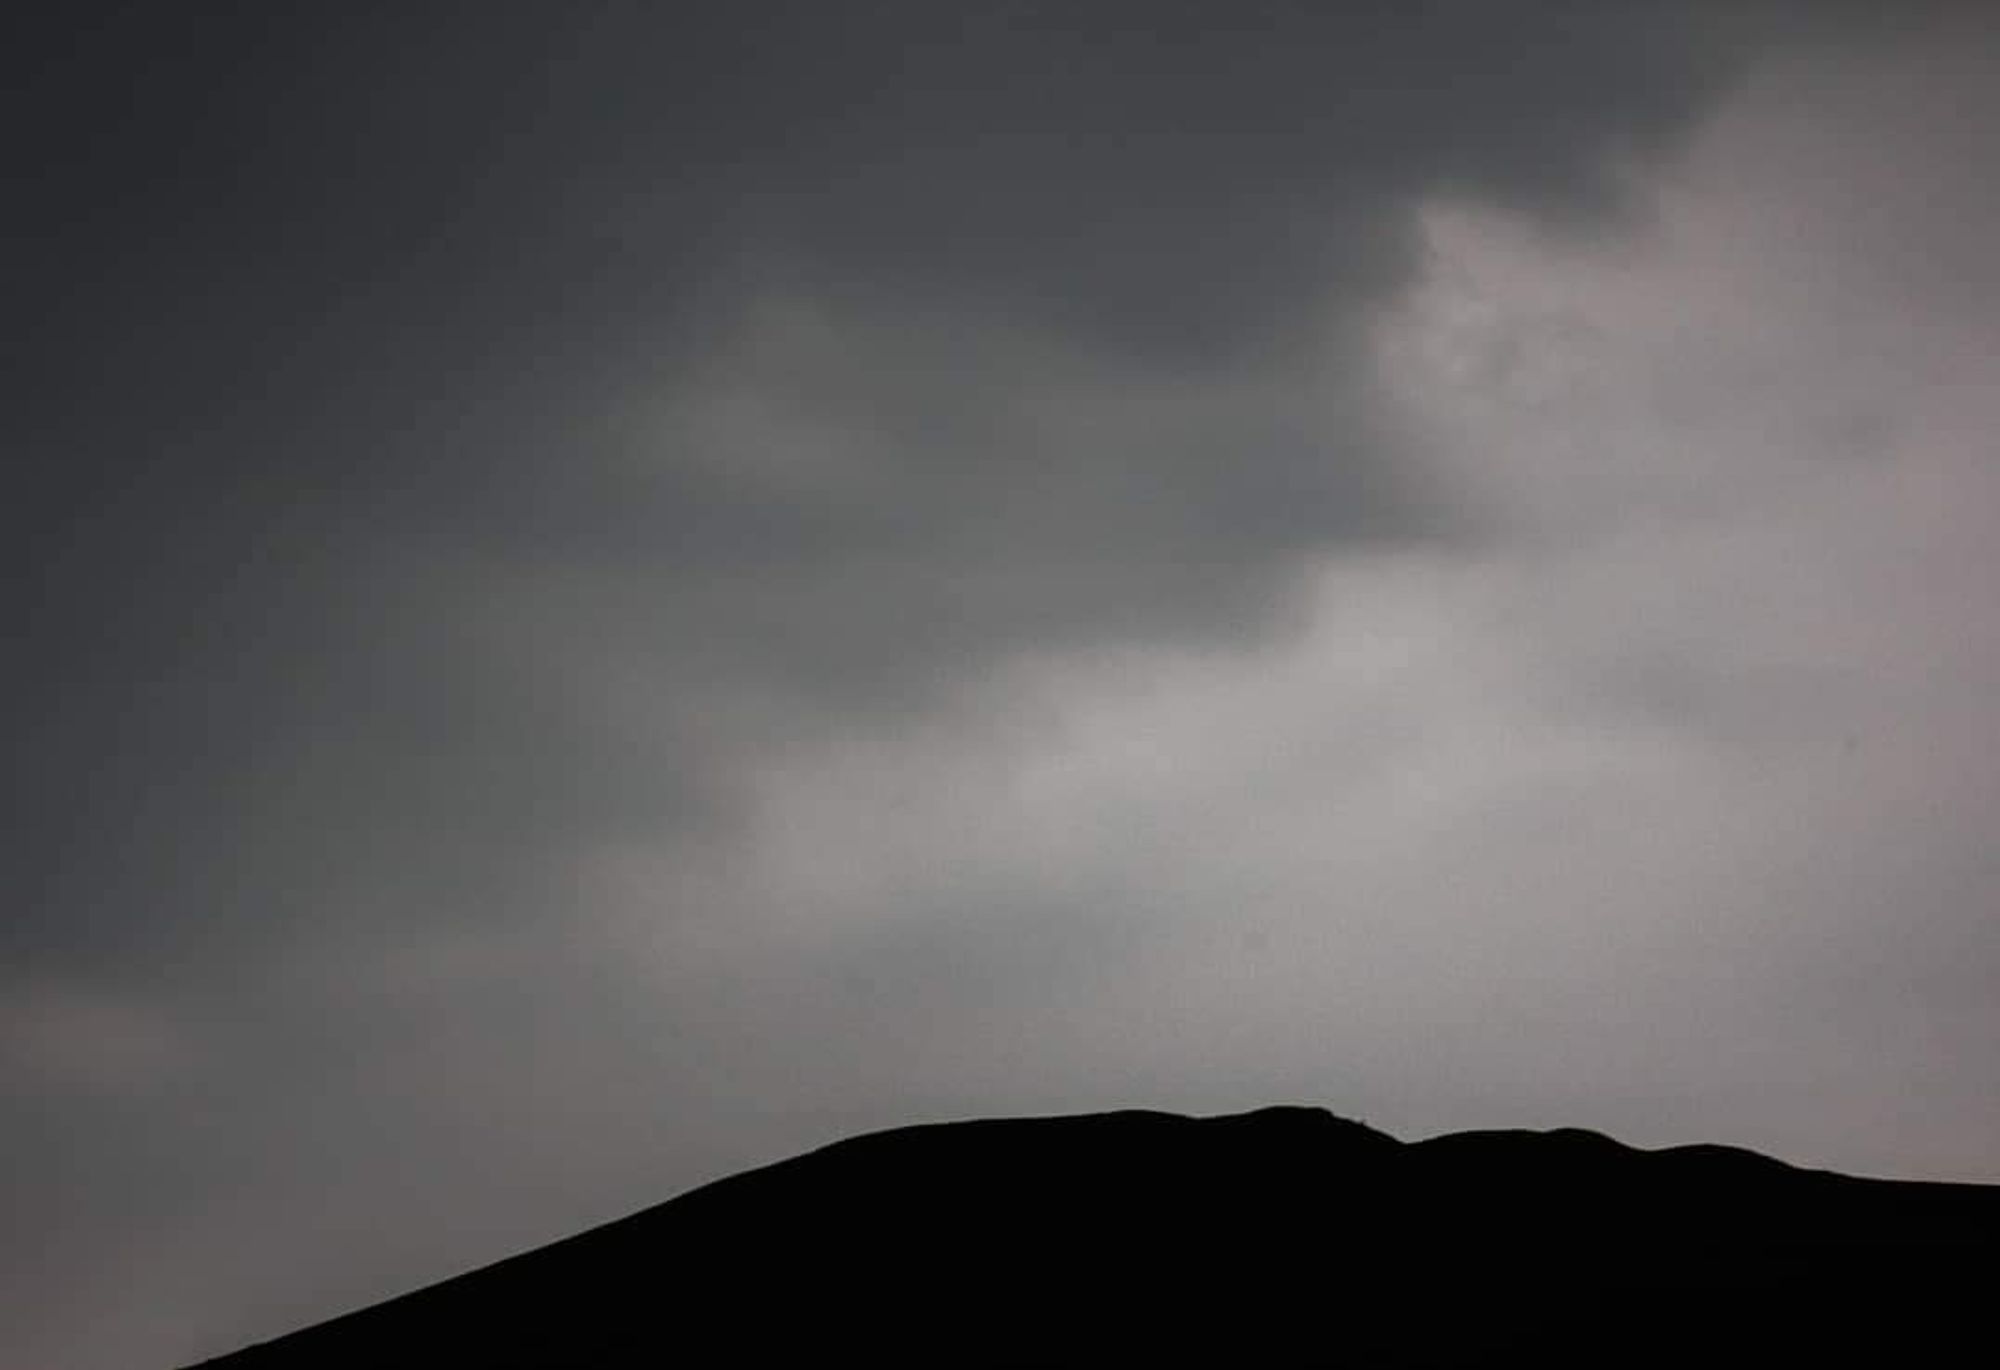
(322, 307)
(457, 443)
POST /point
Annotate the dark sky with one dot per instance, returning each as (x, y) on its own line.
(607, 592)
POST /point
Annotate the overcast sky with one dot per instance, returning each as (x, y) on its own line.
(606, 593)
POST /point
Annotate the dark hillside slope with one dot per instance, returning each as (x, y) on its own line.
(1132, 1237)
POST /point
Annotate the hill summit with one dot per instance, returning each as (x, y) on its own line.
(1286, 1232)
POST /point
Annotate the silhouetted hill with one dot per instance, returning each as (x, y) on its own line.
(1286, 1234)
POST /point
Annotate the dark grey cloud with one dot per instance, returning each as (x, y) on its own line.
(457, 443)
(317, 304)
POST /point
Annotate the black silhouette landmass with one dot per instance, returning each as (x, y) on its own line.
(1284, 1235)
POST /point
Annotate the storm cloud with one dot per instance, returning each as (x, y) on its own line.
(348, 326)
(610, 592)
